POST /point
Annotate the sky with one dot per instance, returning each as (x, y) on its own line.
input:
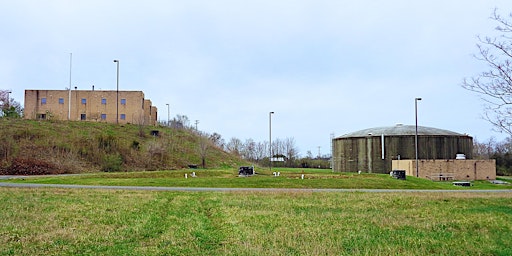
(324, 67)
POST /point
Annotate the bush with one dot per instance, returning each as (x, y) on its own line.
(27, 166)
(112, 163)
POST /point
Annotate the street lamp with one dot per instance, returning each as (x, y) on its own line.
(9, 99)
(270, 139)
(416, 134)
(168, 114)
(117, 93)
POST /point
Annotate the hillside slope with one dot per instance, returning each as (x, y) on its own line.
(44, 147)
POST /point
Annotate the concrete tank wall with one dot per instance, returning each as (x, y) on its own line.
(365, 154)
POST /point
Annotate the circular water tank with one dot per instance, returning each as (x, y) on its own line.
(373, 149)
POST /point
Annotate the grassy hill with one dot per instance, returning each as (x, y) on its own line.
(45, 147)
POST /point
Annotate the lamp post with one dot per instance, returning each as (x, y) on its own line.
(416, 134)
(168, 115)
(117, 92)
(270, 139)
(8, 99)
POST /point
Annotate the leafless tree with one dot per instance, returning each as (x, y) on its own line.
(483, 150)
(217, 140)
(292, 152)
(261, 150)
(234, 146)
(204, 146)
(278, 147)
(495, 84)
(180, 122)
(249, 150)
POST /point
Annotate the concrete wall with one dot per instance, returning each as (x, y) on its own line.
(76, 105)
(367, 154)
(449, 169)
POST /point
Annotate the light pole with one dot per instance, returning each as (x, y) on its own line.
(416, 134)
(270, 139)
(117, 92)
(8, 99)
(168, 115)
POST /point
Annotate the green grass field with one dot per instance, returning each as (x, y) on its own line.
(53, 221)
(289, 178)
(58, 221)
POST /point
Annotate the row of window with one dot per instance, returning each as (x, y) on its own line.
(84, 101)
(103, 117)
(83, 117)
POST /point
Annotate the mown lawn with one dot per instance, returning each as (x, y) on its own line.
(228, 178)
(55, 221)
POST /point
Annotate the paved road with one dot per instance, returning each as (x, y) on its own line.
(193, 189)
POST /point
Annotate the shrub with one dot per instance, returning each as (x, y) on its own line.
(112, 163)
(28, 166)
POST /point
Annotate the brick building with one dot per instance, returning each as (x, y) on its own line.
(90, 105)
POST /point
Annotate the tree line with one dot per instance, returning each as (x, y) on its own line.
(493, 149)
(256, 152)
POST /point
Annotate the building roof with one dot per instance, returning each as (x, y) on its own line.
(401, 130)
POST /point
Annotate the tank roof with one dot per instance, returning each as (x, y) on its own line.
(401, 130)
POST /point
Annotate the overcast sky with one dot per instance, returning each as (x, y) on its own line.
(323, 66)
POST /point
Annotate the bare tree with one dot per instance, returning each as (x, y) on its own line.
(292, 152)
(234, 146)
(495, 84)
(180, 122)
(204, 146)
(261, 150)
(249, 150)
(277, 147)
(217, 140)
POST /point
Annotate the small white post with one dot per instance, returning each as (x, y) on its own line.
(302, 176)
(186, 175)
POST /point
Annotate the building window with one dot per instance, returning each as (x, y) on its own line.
(43, 101)
(83, 117)
(61, 100)
(123, 101)
(104, 101)
(84, 101)
(103, 116)
(123, 116)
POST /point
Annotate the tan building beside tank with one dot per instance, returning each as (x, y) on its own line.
(90, 105)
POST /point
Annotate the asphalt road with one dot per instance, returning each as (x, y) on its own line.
(195, 189)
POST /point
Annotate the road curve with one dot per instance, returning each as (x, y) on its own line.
(196, 189)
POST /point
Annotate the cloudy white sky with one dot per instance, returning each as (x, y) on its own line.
(323, 66)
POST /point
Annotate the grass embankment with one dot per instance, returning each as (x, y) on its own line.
(100, 222)
(228, 178)
(51, 147)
